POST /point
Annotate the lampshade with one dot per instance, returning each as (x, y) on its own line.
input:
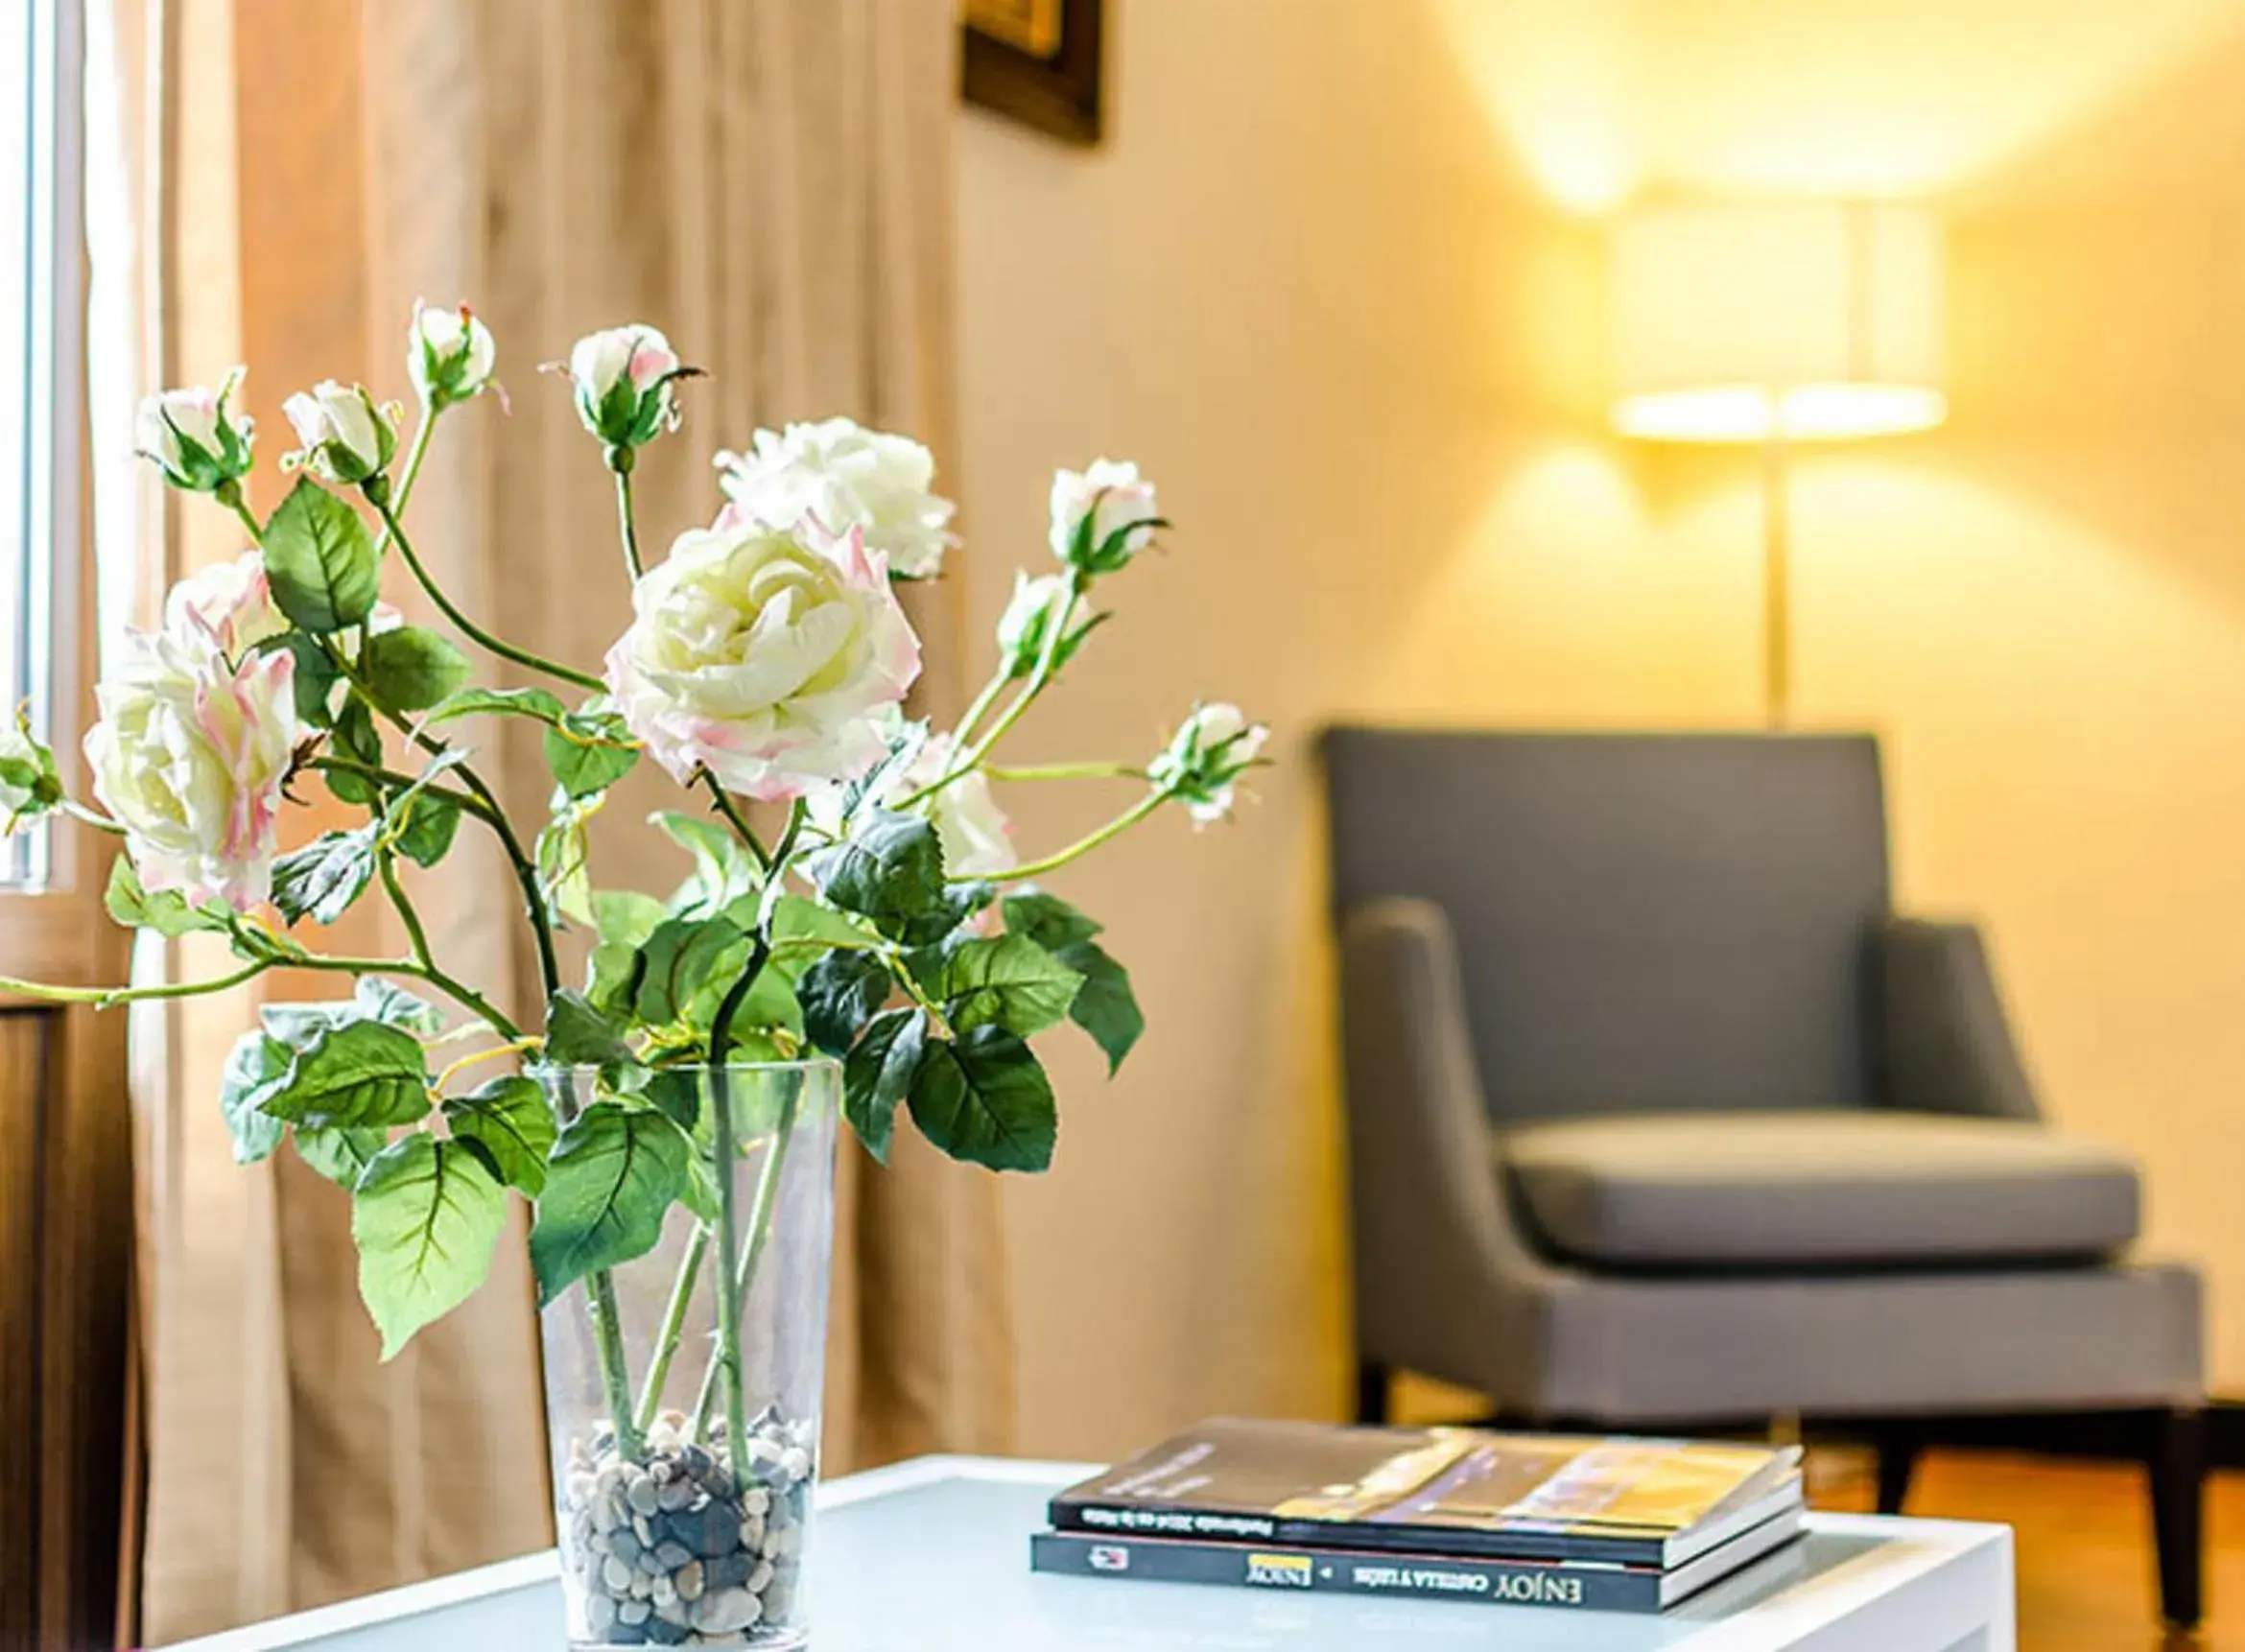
(1807, 321)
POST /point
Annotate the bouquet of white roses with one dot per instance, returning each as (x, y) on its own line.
(885, 920)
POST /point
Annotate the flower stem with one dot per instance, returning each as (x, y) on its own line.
(525, 874)
(229, 494)
(724, 1148)
(609, 1328)
(1067, 772)
(659, 1370)
(743, 1275)
(409, 472)
(1090, 840)
(93, 817)
(462, 994)
(628, 522)
(1047, 662)
(981, 708)
(464, 800)
(476, 633)
(731, 810)
(415, 934)
(105, 996)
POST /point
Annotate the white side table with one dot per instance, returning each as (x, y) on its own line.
(932, 1556)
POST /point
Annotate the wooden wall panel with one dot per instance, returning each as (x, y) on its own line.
(85, 1297)
(26, 1047)
(65, 1285)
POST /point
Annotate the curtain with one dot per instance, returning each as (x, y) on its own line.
(768, 180)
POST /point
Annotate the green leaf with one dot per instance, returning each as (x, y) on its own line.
(540, 703)
(771, 1003)
(607, 977)
(322, 879)
(256, 1067)
(624, 915)
(673, 963)
(614, 1174)
(984, 1099)
(411, 668)
(590, 750)
(624, 918)
(513, 1120)
(905, 746)
(1115, 550)
(889, 870)
(1104, 1007)
(723, 872)
(418, 823)
(313, 679)
(1007, 980)
(676, 1091)
(840, 993)
(794, 918)
(1045, 919)
(165, 911)
(341, 1156)
(426, 1217)
(561, 855)
(425, 828)
(878, 1073)
(361, 1076)
(578, 1035)
(389, 1003)
(319, 560)
(297, 1024)
(357, 739)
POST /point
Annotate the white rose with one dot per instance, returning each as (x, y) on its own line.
(1204, 760)
(768, 657)
(190, 435)
(848, 477)
(622, 378)
(346, 438)
(189, 756)
(975, 835)
(229, 603)
(1030, 614)
(1092, 511)
(450, 355)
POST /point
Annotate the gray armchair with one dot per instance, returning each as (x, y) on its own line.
(1658, 1117)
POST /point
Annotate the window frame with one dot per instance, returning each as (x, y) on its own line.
(50, 929)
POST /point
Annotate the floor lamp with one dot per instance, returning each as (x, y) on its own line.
(1772, 324)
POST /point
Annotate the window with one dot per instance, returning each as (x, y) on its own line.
(40, 259)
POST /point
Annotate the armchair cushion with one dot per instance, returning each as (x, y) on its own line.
(1794, 1191)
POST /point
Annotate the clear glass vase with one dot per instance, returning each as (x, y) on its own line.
(682, 1479)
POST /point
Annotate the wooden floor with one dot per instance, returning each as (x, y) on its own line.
(2085, 1552)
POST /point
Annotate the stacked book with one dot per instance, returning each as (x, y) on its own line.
(1545, 1519)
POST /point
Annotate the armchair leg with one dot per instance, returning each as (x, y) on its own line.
(1373, 1381)
(1898, 1446)
(2177, 1463)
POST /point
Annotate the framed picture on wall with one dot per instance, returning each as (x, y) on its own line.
(1035, 61)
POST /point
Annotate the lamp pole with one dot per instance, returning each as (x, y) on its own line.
(1777, 588)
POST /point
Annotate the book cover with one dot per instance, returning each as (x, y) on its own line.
(1439, 1490)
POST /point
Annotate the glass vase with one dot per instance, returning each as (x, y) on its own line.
(684, 1417)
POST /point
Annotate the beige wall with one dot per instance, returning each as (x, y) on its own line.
(1334, 281)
